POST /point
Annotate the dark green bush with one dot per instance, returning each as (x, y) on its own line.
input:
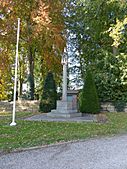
(119, 105)
(49, 95)
(89, 102)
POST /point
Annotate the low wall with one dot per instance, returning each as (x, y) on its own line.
(111, 107)
(23, 105)
(33, 106)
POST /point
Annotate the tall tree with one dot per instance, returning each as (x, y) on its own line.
(98, 34)
(41, 33)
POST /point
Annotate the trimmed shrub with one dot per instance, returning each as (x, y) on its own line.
(49, 95)
(120, 105)
(89, 102)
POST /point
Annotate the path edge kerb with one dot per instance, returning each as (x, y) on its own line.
(18, 150)
(56, 144)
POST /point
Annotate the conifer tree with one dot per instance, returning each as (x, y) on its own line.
(49, 95)
(89, 102)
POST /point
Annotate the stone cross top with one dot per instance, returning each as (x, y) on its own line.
(64, 91)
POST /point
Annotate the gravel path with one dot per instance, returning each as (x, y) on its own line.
(104, 153)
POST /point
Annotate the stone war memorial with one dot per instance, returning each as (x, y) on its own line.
(67, 107)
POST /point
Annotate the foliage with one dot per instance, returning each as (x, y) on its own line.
(119, 105)
(2, 91)
(98, 34)
(49, 96)
(118, 32)
(88, 99)
(111, 77)
(5, 73)
(41, 38)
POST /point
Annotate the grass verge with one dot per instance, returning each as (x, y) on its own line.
(35, 133)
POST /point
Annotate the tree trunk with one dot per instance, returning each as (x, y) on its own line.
(31, 53)
(31, 73)
(115, 50)
(20, 81)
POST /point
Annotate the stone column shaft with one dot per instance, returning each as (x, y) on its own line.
(64, 92)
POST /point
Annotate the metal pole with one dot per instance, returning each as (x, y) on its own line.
(15, 82)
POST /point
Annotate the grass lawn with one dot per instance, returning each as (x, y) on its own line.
(31, 133)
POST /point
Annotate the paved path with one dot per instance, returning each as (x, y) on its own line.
(104, 153)
(44, 117)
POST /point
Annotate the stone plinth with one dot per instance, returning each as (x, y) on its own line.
(65, 109)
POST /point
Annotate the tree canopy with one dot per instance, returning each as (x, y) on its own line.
(41, 39)
(95, 33)
(98, 39)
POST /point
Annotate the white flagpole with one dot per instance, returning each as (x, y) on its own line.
(15, 82)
